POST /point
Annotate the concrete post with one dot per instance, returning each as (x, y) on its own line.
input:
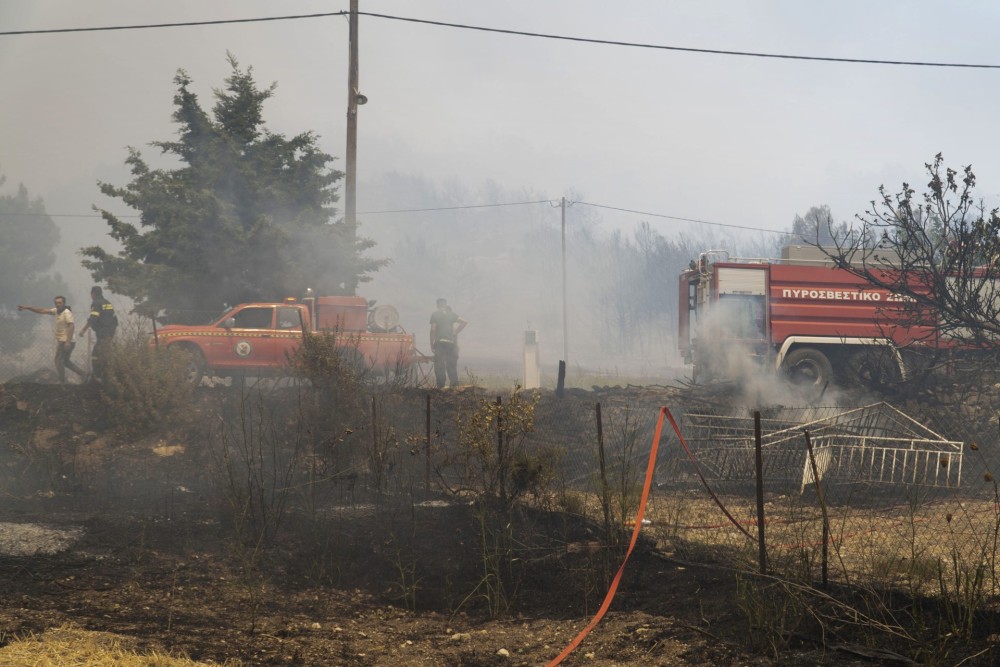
(532, 372)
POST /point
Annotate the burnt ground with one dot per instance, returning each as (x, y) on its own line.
(153, 555)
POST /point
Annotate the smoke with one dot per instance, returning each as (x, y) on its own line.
(731, 351)
(502, 269)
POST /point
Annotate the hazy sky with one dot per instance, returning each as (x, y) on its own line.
(746, 141)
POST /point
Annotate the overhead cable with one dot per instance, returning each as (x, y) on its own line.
(674, 217)
(472, 206)
(171, 25)
(520, 33)
(663, 47)
(385, 211)
(456, 208)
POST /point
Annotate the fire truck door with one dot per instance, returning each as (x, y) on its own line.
(251, 341)
(287, 334)
(742, 294)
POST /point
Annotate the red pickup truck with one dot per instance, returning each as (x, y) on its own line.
(256, 339)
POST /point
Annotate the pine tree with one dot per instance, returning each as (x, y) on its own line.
(248, 215)
(28, 238)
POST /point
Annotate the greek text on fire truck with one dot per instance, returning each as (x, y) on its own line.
(838, 295)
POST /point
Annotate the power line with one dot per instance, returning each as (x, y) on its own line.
(170, 25)
(662, 47)
(456, 208)
(386, 211)
(68, 215)
(520, 33)
(674, 217)
(473, 206)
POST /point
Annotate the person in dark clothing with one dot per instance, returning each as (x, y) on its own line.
(104, 323)
(445, 326)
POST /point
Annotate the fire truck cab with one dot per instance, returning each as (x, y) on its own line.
(800, 315)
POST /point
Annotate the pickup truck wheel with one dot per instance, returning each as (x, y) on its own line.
(353, 361)
(808, 367)
(194, 365)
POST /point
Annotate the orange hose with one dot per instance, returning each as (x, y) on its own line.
(635, 537)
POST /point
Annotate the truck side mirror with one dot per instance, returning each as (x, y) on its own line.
(229, 323)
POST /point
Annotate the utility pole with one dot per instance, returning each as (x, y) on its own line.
(354, 97)
(561, 378)
(565, 319)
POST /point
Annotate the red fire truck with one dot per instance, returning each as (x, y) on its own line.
(799, 315)
(254, 339)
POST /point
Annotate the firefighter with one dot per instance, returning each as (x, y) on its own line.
(104, 322)
(64, 336)
(445, 326)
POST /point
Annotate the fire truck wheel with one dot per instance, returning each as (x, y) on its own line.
(874, 367)
(194, 365)
(808, 367)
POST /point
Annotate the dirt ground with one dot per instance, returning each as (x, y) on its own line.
(120, 535)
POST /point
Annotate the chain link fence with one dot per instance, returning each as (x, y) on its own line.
(901, 499)
(906, 496)
(36, 363)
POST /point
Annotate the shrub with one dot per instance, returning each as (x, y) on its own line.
(143, 386)
(496, 465)
(493, 452)
(336, 370)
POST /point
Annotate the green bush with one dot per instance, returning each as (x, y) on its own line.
(493, 452)
(143, 386)
(332, 368)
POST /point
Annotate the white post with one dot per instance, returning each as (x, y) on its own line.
(532, 372)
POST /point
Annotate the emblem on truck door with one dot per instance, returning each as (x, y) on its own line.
(243, 348)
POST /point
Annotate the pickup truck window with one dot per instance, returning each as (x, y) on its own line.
(288, 318)
(254, 318)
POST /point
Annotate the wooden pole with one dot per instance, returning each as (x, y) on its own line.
(822, 507)
(501, 463)
(374, 426)
(605, 500)
(564, 307)
(427, 474)
(759, 465)
(351, 157)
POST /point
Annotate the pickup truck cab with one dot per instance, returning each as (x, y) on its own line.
(257, 339)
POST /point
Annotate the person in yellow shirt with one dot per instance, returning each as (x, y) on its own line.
(64, 336)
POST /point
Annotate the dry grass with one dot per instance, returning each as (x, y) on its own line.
(903, 544)
(72, 647)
